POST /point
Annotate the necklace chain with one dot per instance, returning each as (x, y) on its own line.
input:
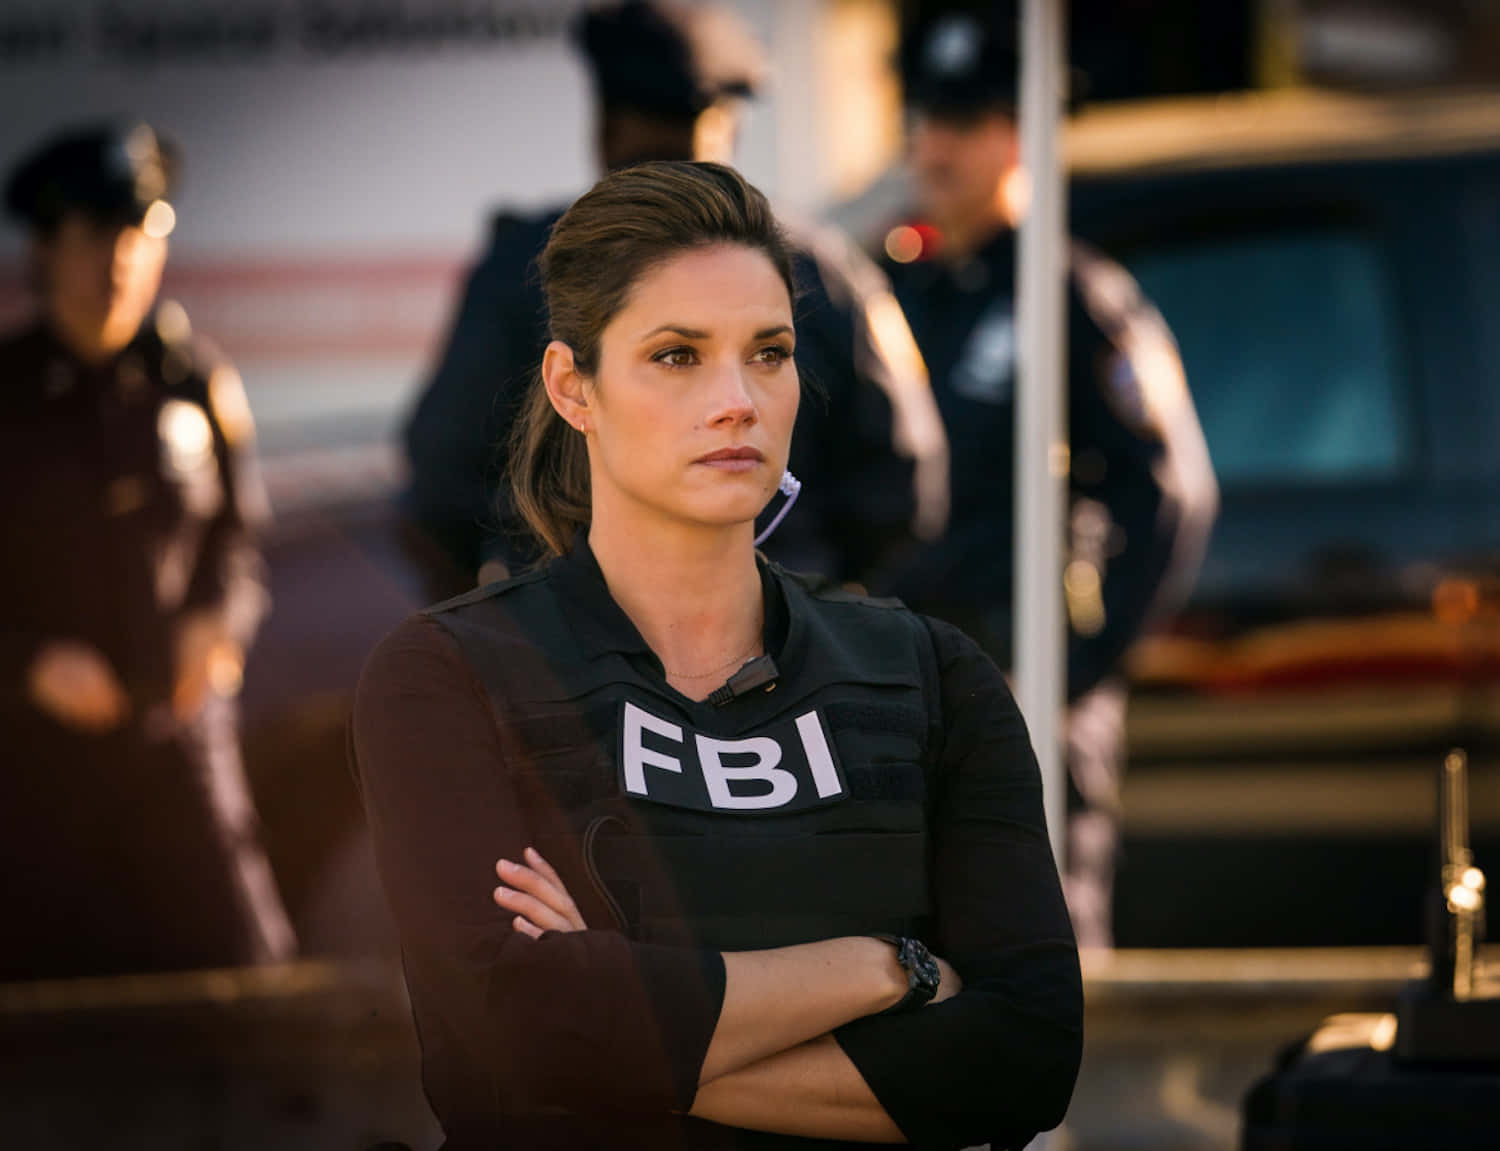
(741, 658)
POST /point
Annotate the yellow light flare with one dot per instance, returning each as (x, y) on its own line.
(1383, 1034)
(226, 669)
(1455, 600)
(186, 435)
(903, 243)
(1461, 898)
(1083, 594)
(159, 220)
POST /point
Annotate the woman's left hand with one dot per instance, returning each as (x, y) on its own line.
(535, 893)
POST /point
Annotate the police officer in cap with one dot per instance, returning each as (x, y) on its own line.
(1142, 492)
(127, 831)
(669, 82)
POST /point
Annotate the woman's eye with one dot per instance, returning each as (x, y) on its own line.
(773, 354)
(675, 357)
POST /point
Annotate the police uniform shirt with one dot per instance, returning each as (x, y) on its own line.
(1137, 457)
(131, 498)
(884, 783)
(130, 501)
(455, 437)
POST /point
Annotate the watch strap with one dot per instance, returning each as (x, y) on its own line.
(922, 972)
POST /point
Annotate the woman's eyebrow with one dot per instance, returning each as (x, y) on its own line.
(699, 334)
(686, 333)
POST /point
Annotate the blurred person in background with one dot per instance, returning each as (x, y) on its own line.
(1141, 488)
(128, 836)
(669, 83)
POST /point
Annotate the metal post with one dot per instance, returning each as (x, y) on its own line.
(1041, 412)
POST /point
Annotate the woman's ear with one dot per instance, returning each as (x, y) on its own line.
(564, 384)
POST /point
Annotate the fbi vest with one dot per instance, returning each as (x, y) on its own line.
(797, 811)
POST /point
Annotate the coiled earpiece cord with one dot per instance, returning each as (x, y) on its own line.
(791, 487)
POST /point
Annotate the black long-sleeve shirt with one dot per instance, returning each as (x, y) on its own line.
(613, 1031)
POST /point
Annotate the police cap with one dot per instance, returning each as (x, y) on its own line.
(113, 173)
(668, 59)
(960, 62)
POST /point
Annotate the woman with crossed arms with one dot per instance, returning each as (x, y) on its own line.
(686, 850)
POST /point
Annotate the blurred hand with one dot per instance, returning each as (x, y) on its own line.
(209, 660)
(73, 683)
(535, 893)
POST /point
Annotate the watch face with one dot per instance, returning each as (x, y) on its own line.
(921, 967)
(929, 974)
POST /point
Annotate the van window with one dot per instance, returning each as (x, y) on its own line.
(1291, 348)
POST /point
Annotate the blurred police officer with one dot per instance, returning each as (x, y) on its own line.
(127, 832)
(1142, 492)
(669, 82)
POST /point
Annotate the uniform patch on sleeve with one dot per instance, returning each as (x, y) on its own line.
(231, 407)
(1143, 382)
(789, 766)
(1141, 374)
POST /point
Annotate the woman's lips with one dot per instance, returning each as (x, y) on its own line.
(732, 459)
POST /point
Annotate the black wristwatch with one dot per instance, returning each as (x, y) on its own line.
(923, 976)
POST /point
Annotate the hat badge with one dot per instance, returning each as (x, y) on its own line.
(953, 46)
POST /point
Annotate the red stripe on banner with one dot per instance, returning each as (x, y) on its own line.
(334, 308)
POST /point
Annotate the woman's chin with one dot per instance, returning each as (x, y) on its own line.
(727, 513)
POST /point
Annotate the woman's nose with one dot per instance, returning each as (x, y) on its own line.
(732, 401)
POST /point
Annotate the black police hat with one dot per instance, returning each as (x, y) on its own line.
(114, 173)
(668, 59)
(960, 62)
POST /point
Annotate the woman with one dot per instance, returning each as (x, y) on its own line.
(692, 858)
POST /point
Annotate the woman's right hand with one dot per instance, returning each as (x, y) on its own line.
(537, 897)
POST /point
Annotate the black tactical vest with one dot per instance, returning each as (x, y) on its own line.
(795, 812)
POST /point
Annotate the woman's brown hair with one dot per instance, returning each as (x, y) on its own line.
(629, 223)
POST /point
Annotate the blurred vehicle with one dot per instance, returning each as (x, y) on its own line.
(1330, 265)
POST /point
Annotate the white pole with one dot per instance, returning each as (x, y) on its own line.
(1041, 407)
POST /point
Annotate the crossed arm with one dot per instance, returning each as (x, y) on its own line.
(772, 1064)
(548, 1014)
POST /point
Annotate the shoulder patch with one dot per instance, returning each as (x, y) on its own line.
(230, 405)
(1109, 293)
(172, 323)
(1143, 379)
(1140, 372)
